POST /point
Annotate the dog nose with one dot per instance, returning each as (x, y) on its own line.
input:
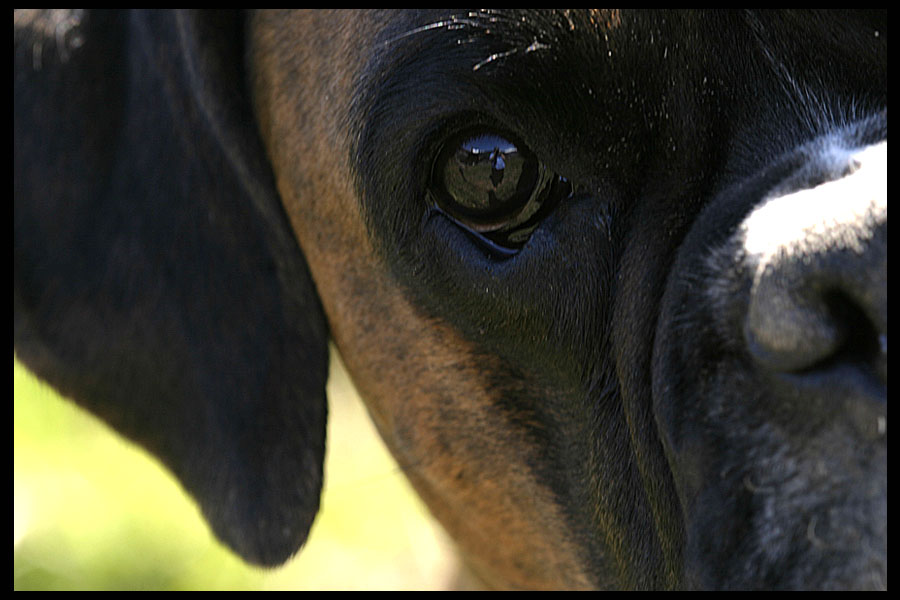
(818, 302)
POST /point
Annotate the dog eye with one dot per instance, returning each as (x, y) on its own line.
(492, 186)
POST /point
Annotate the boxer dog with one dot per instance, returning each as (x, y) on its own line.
(612, 283)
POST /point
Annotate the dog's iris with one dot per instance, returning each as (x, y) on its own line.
(492, 185)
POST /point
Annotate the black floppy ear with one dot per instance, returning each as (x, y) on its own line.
(156, 279)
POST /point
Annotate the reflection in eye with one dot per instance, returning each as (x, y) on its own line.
(493, 186)
(487, 174)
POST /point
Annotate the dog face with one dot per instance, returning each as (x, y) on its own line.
(612, 283)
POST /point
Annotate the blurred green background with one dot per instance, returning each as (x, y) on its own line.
(93, 511)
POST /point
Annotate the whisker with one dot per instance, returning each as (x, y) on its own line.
(450, 24)
(494, 57)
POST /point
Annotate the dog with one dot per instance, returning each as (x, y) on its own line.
(612, 283)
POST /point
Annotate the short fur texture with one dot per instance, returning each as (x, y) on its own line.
(648, 394)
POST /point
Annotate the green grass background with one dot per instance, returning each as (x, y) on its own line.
(93, 511)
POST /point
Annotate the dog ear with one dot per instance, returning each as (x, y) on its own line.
(156, 279)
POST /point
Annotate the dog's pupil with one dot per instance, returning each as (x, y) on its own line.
(487, 175)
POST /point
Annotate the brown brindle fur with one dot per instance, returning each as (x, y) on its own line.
(502, 517)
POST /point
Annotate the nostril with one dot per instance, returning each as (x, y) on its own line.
(796, 333)
(856, 343)
(818, 298)
(811, 313)
(862, 345)
(788, 334)
(822, 347)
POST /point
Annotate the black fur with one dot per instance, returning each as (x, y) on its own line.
(156, 280)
